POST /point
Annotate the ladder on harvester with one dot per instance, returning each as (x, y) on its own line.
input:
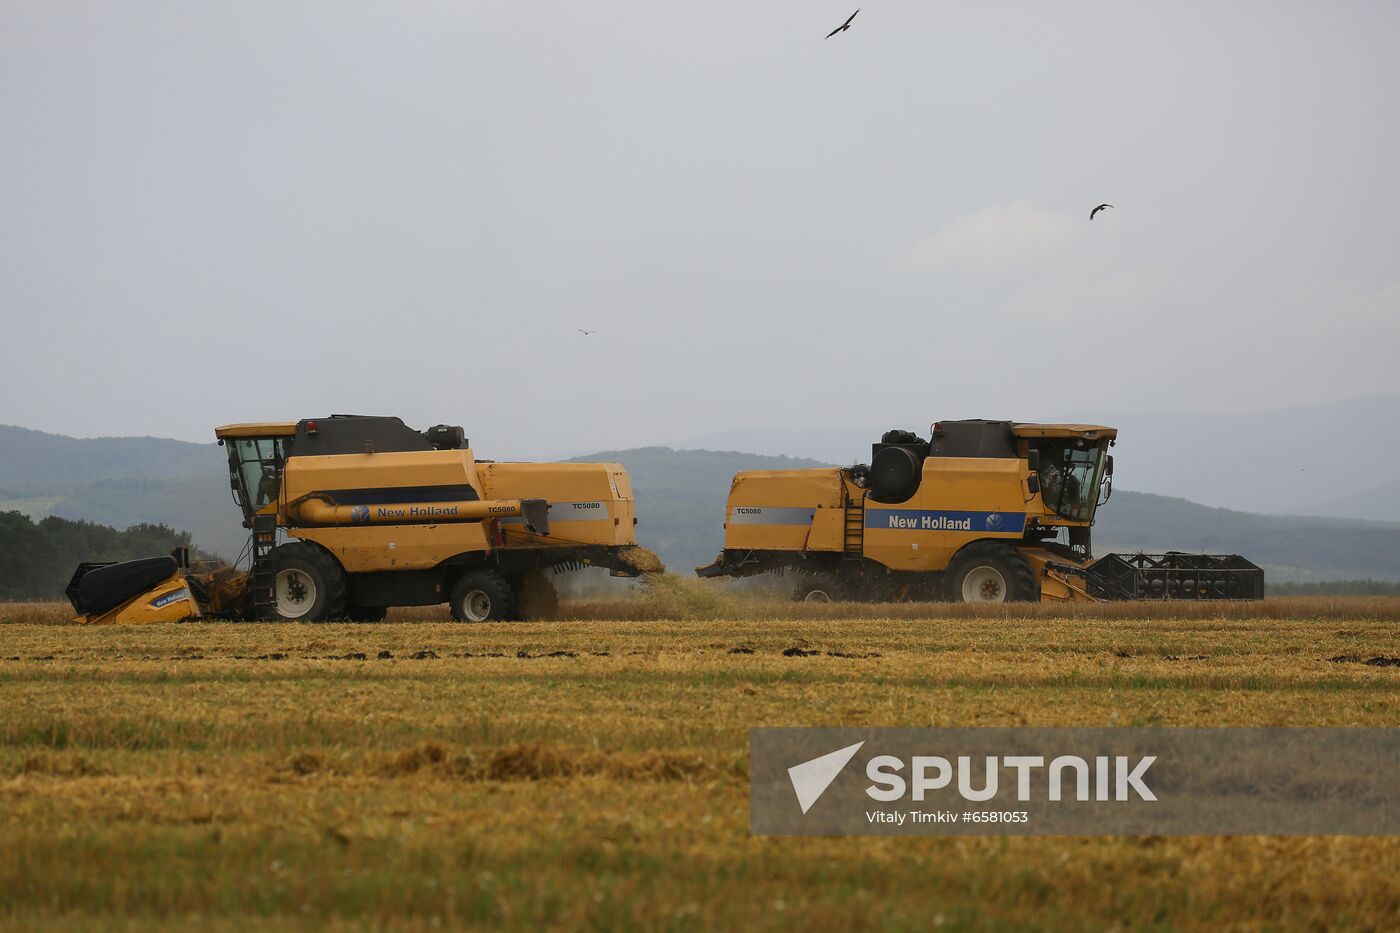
(854, 538)
(264, 574)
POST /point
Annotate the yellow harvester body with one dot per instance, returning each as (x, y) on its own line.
(897, 527)
(405, 516)
(982, 511)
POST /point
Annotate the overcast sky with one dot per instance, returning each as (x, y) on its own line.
(215, 212)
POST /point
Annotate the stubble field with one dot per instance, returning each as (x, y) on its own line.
(591, 772)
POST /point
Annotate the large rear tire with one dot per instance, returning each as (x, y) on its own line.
(482, 596)
(309, 585)
(990, 572)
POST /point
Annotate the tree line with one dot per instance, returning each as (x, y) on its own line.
(38, 558)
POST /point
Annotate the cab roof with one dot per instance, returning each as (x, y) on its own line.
(1088, 432)
(256, 429)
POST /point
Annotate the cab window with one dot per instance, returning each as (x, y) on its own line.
(256, 464)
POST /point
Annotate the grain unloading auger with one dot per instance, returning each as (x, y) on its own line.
(381, 515)
(983, 511)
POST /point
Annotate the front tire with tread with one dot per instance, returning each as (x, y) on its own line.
(309, 584)
(482, 596)
(990, 572)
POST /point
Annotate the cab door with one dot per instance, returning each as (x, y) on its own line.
(255, 472)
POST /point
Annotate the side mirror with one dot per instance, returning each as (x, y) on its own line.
(1108, 467)
(1033, 461)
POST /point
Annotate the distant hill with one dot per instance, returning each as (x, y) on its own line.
(1378, 503)
(1271, 461)
(842, 446)
(33, 457)
(1288, 547)
(1314, 459)
(680, 495)
(122, 481)
(199, 503)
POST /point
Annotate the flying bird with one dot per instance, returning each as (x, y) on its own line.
(586, 332)
(843, 27)
(1097, 209)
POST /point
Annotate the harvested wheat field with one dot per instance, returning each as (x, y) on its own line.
(591, 772)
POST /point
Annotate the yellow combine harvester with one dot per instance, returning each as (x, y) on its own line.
(983, 511)
(382, 515)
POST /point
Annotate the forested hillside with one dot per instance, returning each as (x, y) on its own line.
(38, 558)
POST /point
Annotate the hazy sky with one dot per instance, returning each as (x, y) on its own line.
(215, 212)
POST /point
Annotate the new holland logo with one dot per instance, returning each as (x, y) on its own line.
(993, 521)
(359, 513)
(161, 601)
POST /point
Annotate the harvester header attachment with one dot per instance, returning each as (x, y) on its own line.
(1174, 575)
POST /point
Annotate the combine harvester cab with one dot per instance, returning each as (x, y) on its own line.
(983, 511)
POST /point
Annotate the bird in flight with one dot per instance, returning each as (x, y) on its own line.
(586, 332)
(1097, 209)
(844, 26)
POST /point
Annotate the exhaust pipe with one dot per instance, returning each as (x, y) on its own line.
(319, 510)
